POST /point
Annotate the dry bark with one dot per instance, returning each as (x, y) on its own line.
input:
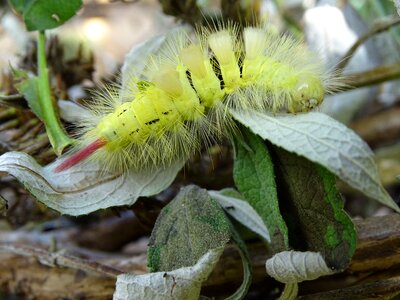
(27, 269)
(380, 128)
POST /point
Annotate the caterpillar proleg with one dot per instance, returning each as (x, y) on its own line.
(190, 88)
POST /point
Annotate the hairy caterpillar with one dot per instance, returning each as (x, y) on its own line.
(190, 88)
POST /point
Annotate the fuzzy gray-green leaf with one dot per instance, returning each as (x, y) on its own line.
(325, 141)
(85, 187)
(189, 226)
(234, 205)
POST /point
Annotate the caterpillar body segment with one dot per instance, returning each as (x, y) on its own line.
(204, 79)
(188, 92)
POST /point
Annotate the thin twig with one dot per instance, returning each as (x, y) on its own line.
(16, 100)
(11, 97)
(371, 77)
(61, 260)
(377, 28)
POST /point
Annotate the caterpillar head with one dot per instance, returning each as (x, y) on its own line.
(308, 94)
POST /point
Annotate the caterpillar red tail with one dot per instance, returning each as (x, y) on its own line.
(191, 87)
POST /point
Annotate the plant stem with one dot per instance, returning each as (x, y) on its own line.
(371, 77)
(377, 28)
(56, 133)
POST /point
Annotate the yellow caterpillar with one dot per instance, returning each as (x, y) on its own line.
(190, 88)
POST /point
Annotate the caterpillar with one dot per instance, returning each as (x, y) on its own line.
(189, 89)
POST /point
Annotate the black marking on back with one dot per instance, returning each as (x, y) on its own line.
(122, 112)
(152, 122)
(217, 70)
(134, 131)
(240, 63)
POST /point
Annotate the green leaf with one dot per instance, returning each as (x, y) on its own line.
(184, 283)
(253, 173)
(314, 210)
(86, 187)
(30, 89)
(188, 227)
(238, 208)
(46, 14)
(325, 141)
(346, 232)
(19, 5)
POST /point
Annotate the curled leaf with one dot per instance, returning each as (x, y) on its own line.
(86, 187)
(183, 283)
(296, 266)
